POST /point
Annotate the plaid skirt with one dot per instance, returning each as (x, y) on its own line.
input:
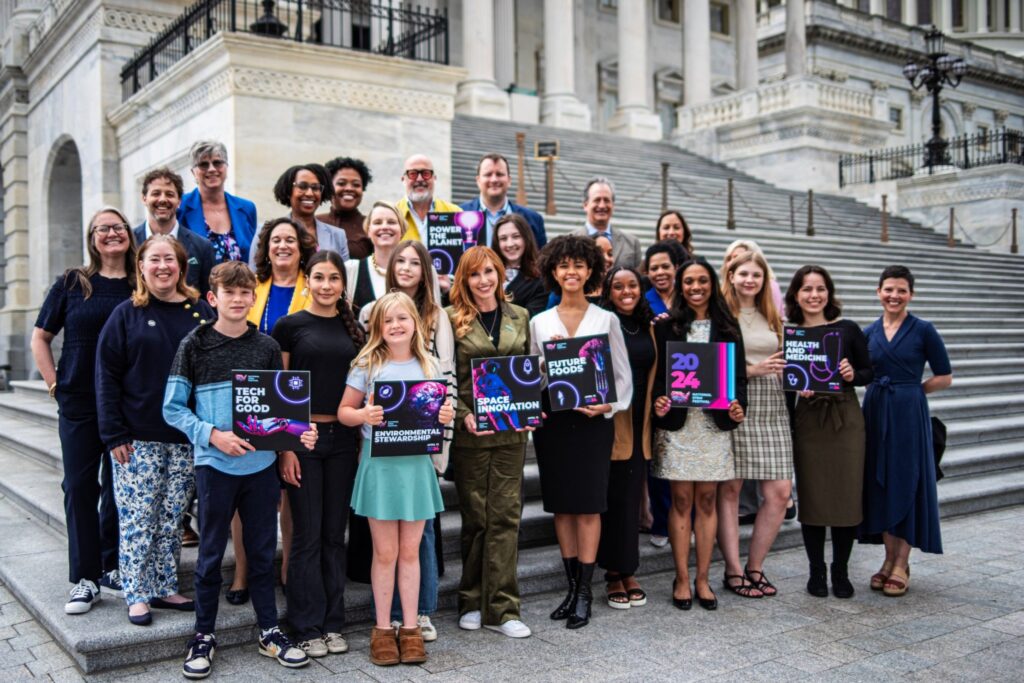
(762, 445)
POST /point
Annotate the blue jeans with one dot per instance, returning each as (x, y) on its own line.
(428, 577)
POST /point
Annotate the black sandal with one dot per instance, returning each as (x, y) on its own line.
(616, 599)
(762, 584)
(744, 588)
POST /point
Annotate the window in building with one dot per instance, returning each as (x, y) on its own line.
(983, 137)
(669, 10)
(864, 6)
(894, 10)
(719, 19)
(896, 118)
(608, 5)
(958, 15)
(924, 12)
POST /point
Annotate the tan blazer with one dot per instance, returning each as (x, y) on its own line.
(622, 447)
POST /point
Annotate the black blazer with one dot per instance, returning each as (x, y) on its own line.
(676, 417)
(528, 292)
(200, 256)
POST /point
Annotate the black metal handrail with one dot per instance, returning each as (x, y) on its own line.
(379, 26)
(1001, 146)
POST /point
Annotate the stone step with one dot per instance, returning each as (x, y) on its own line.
(992, 351)
(983, 430)
(957, 408)
(983, 459)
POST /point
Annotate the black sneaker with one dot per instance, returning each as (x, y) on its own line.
(110, 583)
(277, 645)
(83, 596)
(199, 657)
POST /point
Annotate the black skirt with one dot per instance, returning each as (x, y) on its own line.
(574, 455)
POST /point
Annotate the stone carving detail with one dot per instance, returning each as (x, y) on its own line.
(963, 192)
(48, 16)
(1000, 116)
(879, 86)
(917, 97)
(830, 74)
(969, 108)
(135, 21)
(70, 51)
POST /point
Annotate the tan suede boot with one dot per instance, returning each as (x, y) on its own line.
(410, 642)
(383, 647)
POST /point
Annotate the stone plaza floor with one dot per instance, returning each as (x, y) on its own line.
(963, 619)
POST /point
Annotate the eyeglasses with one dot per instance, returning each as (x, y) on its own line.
(106, 229)
(303, 186)
(425, 173)
(216, 163)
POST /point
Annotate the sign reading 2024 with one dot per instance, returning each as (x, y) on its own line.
(701, 375)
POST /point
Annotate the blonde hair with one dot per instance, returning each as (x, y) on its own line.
(749, 245)
(764, 302)
(376, 352)
(140, 297)
(465, 307)
(381, 205)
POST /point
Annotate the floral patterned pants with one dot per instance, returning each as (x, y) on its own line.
(151, 492)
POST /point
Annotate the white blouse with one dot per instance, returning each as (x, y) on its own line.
(596, 320)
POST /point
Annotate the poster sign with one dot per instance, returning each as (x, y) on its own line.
(701, 375)
(812, 359)
(449, 235)
(579, 372)
(411, 425)
(547, 149)
(506, 393)
(270, 408)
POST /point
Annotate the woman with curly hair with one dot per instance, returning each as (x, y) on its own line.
(574, 447)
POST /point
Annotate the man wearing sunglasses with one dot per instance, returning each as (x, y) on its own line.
(418, 179)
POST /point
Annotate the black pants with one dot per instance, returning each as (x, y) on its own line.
(88, 491)
(316, 565)
(660, 496)
(255, 497)
(619, 552)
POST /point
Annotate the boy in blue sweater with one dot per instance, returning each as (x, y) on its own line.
(230, 474)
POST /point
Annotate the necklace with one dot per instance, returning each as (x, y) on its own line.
(633, 333)
(490, 330)
(380, 271)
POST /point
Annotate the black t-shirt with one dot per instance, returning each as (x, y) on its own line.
(324, 348)
(491, 322)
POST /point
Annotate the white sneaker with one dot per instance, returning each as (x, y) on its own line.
(336, 643)
(513, 629)
(83, 596)
(426, 628)
(659, 541)
(470, 621)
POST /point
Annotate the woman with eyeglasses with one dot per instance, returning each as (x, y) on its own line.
(79, 303)
(229, 222)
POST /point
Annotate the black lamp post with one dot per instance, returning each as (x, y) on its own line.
(935, 71)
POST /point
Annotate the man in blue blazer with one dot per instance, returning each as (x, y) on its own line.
(209, 208)
(493, 180)
(161, 193)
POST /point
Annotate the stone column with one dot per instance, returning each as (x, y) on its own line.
(696, 52)
(746, 44)
(1015, 16)
(796, 39)
(945, 18)
(479, 95)
(981, 16)
(909, 14)
(877, 7)
(633, 117)
(505, 43)
(559, 105)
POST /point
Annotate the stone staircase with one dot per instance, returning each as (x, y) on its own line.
(972, 296)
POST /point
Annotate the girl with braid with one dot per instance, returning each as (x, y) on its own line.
(323, 339)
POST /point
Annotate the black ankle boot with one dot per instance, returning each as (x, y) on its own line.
(572, 568)
(817, 584)
(579, 615)
(841, 586)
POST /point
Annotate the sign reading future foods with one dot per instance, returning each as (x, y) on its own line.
(812, 359)
(411, 425)
(270, 408)
(579, 372)
(449, 235)
(506, 393)
(701, 375)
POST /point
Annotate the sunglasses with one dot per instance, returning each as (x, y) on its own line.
(425, 173)
(206, 165)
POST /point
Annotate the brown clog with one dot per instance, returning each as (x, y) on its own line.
(384, 647)
(410, 642)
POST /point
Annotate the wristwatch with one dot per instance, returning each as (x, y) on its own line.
(53, 390)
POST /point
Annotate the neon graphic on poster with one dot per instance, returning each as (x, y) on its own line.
(812, 359)
(410, 425)
(506, 393)
(579, 372)
(701, 375)
(449, 235)
(270, 408)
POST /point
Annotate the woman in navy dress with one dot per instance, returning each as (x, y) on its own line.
(900, 501)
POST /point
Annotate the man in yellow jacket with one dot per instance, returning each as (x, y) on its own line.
(419, 179)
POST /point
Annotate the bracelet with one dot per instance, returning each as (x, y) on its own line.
(53, 390)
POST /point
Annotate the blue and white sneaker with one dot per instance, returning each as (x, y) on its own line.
(84, 595)
(277, 645)
(199, 657)
(110, 583)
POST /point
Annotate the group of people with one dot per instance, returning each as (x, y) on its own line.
(160, 316)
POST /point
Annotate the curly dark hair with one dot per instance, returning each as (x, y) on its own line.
(307, 247)
(283, 186)
(642, 313)
(357, 165)
(355, 330)
(528, 262)
(676, 253)
(571, 247)
(897, 273)
(795, 314)
(681, 315)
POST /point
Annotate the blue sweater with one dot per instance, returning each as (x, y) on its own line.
(133, 357)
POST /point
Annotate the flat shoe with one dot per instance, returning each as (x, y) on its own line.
(680, 603)
(141, 619)
(897, 583)
(160, 603)
(238, 597)
(709, 604)
(879, 577)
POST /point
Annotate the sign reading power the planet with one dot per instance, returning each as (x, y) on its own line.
(449, 235)
(411, 425)
(270, 408)
(701, 375)
(506, 393)
(579, 372)
(812, 359)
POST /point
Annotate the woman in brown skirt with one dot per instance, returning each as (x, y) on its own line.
(828, 436)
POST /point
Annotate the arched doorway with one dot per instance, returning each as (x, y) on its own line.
(65, 223)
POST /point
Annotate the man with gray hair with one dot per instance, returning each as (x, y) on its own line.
(599, 205)
(227, 221)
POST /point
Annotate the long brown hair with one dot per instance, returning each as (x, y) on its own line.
(426, 306)
(307, 247)
(81, 274)
(465, 307)
(140, 297)
(344, 307)
(375, 354)
(764, 302)
(528, 262)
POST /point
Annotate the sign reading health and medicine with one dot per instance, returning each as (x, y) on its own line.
(812, 359)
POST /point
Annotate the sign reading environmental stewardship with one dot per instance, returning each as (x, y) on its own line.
(701, 375)
(812, 359)
(579, 372)
(449, 235)
(545, 150)
(506, 393)
(270, 408)
(410, 425)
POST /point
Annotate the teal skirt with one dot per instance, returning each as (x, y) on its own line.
(396, 487)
